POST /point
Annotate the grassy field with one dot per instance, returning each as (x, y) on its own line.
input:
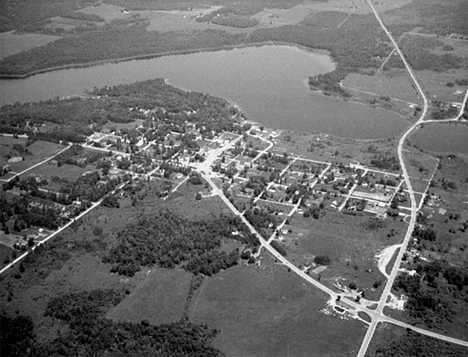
(420, 165)
(349, 242)
(326, 148)
(442, 138)
(394, 83)
(435, 84)
(40, 151)
(68, 172)
(266, 311)
(160, 298)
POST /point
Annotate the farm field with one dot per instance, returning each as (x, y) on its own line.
(355, 7)
(160, 298)
(106, 11)
(265, 311)
(161, 21)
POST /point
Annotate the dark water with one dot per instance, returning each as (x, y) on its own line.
(442, 138)
(268, 83)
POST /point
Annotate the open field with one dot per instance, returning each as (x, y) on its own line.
(442, 138)
(326, 148)
(266, 311)
(188, 206)
(12, 42)
(165, 22)
(355, 7)
(106, 11)
(68, 172)
(435, 84)
(394, 83)
(391, 340)
(420, 165)
(40, 151)
(351, 242)
(160, 298)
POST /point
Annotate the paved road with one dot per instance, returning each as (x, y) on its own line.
(423, 331)
(378, 316)
(38, 164)
(21, 257)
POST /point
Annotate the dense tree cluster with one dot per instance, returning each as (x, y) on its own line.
(89, 187)
(17, 337)
(212, 262)
(424, 233)
(118, 39)
(433, 292)
(385, 161)
(322, 260)
(25, 212)
(330, 83)
(260, 219)
(90, 334)
(279, 248)
(169, 240)
(74, 307)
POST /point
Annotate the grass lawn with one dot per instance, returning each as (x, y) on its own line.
(160, 298)
(266, 311)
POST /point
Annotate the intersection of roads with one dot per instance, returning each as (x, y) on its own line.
(376, 313)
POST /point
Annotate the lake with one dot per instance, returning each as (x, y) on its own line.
(269, 83)
(442, 138)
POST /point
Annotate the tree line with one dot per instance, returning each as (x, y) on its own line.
(169, 240)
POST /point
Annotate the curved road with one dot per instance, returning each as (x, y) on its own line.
(378, 316)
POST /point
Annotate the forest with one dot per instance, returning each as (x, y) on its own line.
(434, 292)
(78, 117)
(90, 334)
(118, 39)
(169, 240)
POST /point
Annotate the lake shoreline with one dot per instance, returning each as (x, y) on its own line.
(164, 54)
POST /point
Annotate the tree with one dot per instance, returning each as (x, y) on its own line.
(322, 260)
